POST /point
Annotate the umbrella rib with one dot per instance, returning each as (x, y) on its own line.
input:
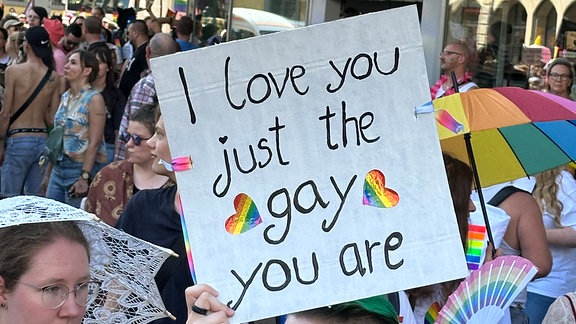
(553, 142)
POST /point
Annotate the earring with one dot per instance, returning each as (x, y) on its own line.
(2, 305)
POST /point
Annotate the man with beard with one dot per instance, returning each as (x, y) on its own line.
(454, 58)
(72, 38)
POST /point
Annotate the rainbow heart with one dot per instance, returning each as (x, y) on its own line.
(375, 192)
(246, 217)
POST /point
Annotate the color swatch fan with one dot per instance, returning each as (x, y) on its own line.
(485, 295)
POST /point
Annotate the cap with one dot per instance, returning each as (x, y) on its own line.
(38, 38)
(55, 29)
(12, 22)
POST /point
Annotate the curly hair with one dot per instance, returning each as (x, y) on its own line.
(546, 191)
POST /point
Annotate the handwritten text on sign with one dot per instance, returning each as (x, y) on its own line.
(313, 182)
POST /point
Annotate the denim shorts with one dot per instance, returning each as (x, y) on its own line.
(63, 176)
(21, 173)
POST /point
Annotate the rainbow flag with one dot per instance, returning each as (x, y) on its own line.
(186, 241)
(432, 313)
(475, 246)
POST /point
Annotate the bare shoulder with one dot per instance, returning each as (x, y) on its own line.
(15, 69)
(54, 80)
(520, 203)
(97, 101)
(521, 197)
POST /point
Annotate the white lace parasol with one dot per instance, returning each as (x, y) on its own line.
(125, 265)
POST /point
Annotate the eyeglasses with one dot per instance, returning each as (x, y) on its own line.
(54, 296)
(446, 53)
(137, 139)
(562, 77)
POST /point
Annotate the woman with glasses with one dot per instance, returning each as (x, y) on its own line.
(559, 77)
(116, 183)
(44, 274)
(82, 115)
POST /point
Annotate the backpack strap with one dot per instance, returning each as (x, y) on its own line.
(31, 98)
(504, 193)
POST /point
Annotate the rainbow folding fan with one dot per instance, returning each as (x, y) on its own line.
(485, 295)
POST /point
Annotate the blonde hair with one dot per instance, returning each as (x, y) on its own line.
(546, 191)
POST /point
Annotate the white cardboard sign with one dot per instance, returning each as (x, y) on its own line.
(313, 181)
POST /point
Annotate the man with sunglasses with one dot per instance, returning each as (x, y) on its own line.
(454, 58)
(71, 40)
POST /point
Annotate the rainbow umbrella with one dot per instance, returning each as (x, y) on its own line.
(513, 132)
(506, 133)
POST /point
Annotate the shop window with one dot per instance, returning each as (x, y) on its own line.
(494, 33)
(566, 41)
(249, 18)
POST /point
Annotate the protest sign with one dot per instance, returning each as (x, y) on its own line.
(313, 181)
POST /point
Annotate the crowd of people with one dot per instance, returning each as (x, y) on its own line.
(102, 99)
(92, 87)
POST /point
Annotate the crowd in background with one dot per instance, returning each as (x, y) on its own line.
(92, 82)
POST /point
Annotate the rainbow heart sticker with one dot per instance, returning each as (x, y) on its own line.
(375, 192)
(246, 218)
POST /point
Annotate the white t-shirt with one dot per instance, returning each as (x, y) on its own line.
(562, 277)
(405, 309)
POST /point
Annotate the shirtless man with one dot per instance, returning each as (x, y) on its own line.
(26, 137)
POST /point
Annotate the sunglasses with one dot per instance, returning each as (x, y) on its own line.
(137, 139)
(71, 43)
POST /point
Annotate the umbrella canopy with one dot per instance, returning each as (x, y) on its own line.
(513, 132)
(124, 265)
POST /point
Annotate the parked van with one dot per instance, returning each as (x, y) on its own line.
(251, 22)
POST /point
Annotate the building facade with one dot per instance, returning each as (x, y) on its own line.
(510, 40)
